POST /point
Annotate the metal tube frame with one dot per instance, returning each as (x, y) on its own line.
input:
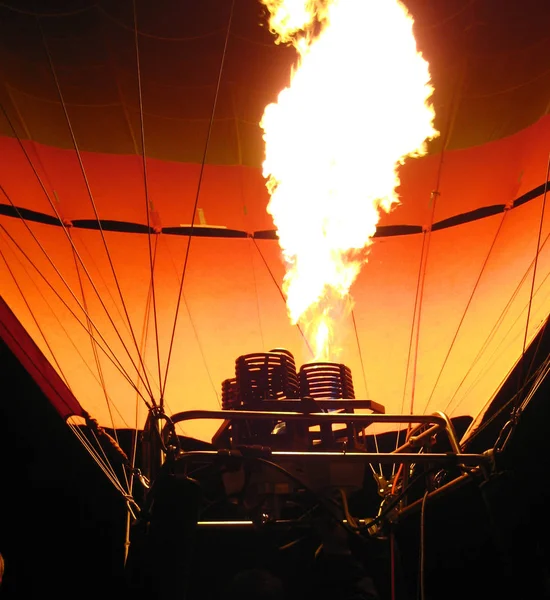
(432, 423)
(356, 457)
(438, 420)
(409, 510)
(189, 415)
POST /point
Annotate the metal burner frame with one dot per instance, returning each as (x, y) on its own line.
(425, 427)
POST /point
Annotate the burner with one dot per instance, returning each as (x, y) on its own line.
(326, 380)
(230, 397)
(260, 377)
(265, 376)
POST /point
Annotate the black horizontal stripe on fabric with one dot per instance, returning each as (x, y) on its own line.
(530, 195)
(202, 231)
(393, 230)
(109, 225)
(265, 234)
(28, 215)
(468, 217)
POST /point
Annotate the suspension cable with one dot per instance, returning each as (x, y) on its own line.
(360, 354)
(112, 357)
(374, 435)
(494, 357)
(194, 328)
(65, 230)
(539, 377)
(411, 337)
(422, 268)
(97, 457)
(531, 292)
(33, 316)
(468, 304)
(435, 195)
(197, 195)
(97, 360)
(449, 126)
(56, 317)
(94, 207)
(495, 327)
(539, 342)
(415, 339)
(105, 467)
(148, 202)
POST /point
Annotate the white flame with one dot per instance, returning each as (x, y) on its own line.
(357, 106)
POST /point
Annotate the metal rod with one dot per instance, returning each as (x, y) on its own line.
(327, 404)
(450, 431)
(189, 415)
(438, 421)
(356, 457)
(251, 524)
(442, 491)
(415, 440)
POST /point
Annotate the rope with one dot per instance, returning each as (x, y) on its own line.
(97, 361)
(33, 316)
(195, 333)
(69, 238)
(148, 203)
(468, 304)
(197, 195)
(112, 358)
(94, 207)
(102, 434)
(536, 260)
(310, 350)
(451, 119)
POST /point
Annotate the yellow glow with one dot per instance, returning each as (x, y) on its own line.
(290, 16)
(357, 106)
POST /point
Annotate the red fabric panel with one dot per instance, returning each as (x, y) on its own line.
(14, 335)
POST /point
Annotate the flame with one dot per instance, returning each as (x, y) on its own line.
(357, 106)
